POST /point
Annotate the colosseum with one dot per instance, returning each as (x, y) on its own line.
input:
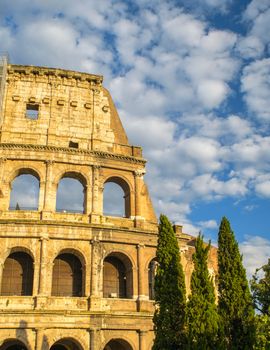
(73, 279)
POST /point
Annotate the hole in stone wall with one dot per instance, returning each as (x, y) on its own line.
(32, 111)
(73, 144)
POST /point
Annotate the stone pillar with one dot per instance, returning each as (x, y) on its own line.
(96, 200)
(138, 179)
(2, 264)
(94, 290)
(142, 340)
(3, 186)
(141, 277)
(39, 338)
(2, 166)
(49, 200)
(43, 273)
(41, 198)
(92, 341)
(88, 199)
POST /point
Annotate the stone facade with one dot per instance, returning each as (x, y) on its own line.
(55, 124)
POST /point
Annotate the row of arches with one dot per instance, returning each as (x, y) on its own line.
(70, 194)
(67, 344)
(68, 276)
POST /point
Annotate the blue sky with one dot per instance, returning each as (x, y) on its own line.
(191, 80)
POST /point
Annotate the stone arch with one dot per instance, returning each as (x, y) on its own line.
(118, 344)
(117, 276)
(18, 249)
(14, 344)
(126, 187)
(68, 274)
(21, 202)
(24, 170)
(18, 273)
(66, 343)
(75, 177)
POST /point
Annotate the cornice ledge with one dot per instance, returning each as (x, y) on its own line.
(100, 154)
(57, 72)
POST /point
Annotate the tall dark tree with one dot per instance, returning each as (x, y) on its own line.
(170, 292)
(235, 301)
(202, 314)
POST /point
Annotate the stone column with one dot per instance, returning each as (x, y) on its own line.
(92, 332)
(39, 338)
(141, 277)
(43, 273)
(94, 290)
(88, 199)
(49, 200)
(138, 178)
(2, 264)
(3, 186)
(142, 340)
(2, 165)
(96, 200)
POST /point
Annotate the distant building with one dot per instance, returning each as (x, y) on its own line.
(73, 280)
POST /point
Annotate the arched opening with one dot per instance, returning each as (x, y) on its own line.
(152, 268)
(13, 345)
(24, 193)
(118, 344)
(116, 197)
(18, 272)
(71, 194)
(117, 276)
(66, 344)
(67, 276)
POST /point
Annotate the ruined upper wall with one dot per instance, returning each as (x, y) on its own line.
(56, 107)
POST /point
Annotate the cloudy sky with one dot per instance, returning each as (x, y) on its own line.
(191, 80)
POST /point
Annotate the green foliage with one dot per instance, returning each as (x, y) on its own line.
(170, 292)
(235, 302)
(202, 315)
(260, 288)
(263, 332)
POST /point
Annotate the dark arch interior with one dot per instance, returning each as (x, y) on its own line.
(67, 276)
(117, 276)
(114, 278)
(25, 192)
(13, 345)
(65, 344)
(118, 344)
(18, 275)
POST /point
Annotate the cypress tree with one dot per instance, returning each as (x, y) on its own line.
(170, 291)
(235, 301)
(202, 314)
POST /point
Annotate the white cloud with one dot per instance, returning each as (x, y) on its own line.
(212, 92)
(209, 224)
(256, 86)
(255, 250)
(250, 47)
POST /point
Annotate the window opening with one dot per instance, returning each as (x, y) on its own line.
(73, 144)
(71, 196)
(32, 111)
(24, 193)
(113, 200)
